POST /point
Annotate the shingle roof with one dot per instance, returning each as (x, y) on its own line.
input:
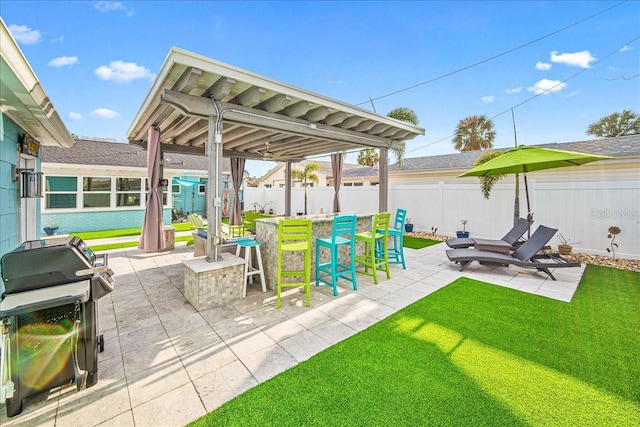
(349, 170)
(623, 146)
(85, 152)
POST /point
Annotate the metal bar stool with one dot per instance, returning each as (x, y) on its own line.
(294, 235)
(249, 270)
(343, 233)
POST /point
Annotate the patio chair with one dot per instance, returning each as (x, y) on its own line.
(396, 233)
(512, 238)
(528, 255)
(343, 233)
(294, 235)
(196, 221)
(374, 259)
(249, 220)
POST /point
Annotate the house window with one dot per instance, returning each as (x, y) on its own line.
(176, 189)
(61, 192)
(267, 186)
(202, 188)
(357, 184)
(96, 192)
(128, 191)
(347, 184)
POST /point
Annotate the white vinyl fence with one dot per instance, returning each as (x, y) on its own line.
(581, 211)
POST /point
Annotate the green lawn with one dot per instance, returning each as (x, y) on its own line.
(417, 242)
(470, 354)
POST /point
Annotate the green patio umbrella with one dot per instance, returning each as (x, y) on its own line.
(525, 159)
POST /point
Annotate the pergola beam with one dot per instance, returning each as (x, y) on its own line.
(203, 107)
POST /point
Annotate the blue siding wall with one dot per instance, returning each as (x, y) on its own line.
(101, 220)
(9, 218)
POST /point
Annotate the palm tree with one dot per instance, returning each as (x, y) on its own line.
(403, 114)
(487, 182)
(616, 124)
(306, 175)
(474, 133)
(368, 157)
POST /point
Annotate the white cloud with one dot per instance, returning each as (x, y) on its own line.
(335, 82)
(25, 35)
(625, 48)
(75, 116)
(123, 72)
(488, 99)
(547, 86)
(581, 59)
(106, 6)
(61, 61)
(514, 90)
(543, 66)
(103, 113)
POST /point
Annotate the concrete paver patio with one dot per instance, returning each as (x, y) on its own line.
(166, 364)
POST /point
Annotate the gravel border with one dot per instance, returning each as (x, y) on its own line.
(621, 263)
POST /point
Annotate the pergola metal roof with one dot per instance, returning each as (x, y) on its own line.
(255, 110)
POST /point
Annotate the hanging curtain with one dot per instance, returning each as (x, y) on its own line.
(237, 173)
(337, 163)
(152, 236)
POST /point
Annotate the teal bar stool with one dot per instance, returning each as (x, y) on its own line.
(249, 270)
(343, 234)
(375, 259)
(396, 250)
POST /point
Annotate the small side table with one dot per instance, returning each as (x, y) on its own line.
(492, 245)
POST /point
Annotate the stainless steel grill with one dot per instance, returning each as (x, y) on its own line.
(48, 309)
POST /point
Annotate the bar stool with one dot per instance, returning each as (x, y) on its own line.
(343, 226)
(374, 258)
(396, 252)
(249, 270)
(294, 235)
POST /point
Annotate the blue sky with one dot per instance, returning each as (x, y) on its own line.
(97, 59)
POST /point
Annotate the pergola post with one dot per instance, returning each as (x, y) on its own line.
(383, 185)
(287, 189)
(214, 184)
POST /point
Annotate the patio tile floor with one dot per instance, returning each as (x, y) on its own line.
(166, 364)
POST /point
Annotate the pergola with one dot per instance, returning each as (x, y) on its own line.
(195, 100)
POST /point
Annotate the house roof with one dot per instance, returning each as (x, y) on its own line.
(254, 110)
(23, 99)
(105, 153)
(349, 170)
(623, 146)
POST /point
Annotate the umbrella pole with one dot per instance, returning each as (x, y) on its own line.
(526, 190)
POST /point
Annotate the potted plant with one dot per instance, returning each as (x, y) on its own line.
(408, 226)
(565, 247)
(51, 227)
(464, 233)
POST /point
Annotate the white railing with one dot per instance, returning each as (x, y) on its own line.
(581, 211)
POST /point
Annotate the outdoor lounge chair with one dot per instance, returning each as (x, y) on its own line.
(512, 237)
(528, 255)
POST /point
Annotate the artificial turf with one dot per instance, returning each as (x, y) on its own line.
(417, 242)
(470, 354)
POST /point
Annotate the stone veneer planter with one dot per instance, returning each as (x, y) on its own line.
(207, 284)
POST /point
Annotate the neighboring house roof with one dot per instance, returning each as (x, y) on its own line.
(623, 146)
(349, 170)
(104, 153)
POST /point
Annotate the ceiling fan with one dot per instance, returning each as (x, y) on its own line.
(266, 154)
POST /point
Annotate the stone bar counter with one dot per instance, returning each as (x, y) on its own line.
(267, 233)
